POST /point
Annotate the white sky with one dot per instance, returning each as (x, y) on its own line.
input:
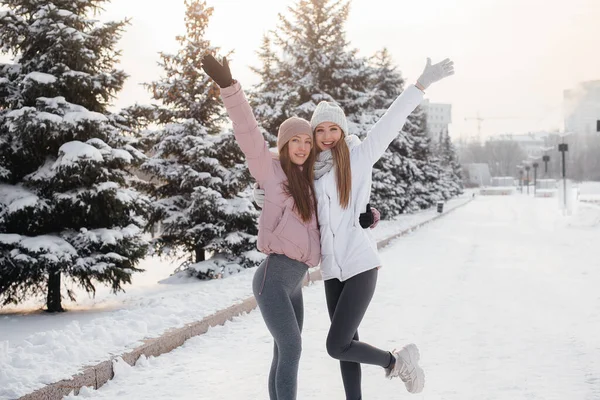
(513, 58)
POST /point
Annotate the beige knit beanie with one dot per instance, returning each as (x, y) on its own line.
(291, 127)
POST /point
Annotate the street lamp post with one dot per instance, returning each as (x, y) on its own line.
(563, 148)
(546, 159)
(521, 180)
(535, 167)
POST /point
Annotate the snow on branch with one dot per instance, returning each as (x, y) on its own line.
(79, 116)
(16, 198)
(108, 236)
(73, 152)
(41, 77)
(48, 247)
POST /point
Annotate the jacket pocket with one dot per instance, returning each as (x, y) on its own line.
(271, 215)
(293, 233)
(282, 222)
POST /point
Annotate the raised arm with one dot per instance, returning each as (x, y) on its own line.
(389, 126)
(245, 127)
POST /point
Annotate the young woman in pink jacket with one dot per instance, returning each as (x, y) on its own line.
(287, 228)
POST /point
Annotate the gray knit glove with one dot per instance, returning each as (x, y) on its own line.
(435, 72)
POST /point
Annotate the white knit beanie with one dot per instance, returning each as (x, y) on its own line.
(328, 111)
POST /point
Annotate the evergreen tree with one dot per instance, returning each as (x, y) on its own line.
(393, 178)
(386, 81)
(267, 98)
(451, 165)
(405, 174)
(431, 186)
(67, 203)
(394, 172)
(200, 171)
(313, 63)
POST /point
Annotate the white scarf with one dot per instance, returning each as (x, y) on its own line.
(324, 161)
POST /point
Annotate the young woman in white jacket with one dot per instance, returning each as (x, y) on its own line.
(349, 256)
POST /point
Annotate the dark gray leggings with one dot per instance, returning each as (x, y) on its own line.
(347, 303)
(277, 287)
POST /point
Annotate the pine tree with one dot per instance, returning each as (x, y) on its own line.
(393, 173)
(267, 98)
(386, 81)
(200, 171)
(410, 176)
(451, 165)
(393, 178)
(67, 203)
(312, 63)
(404, 175)
(430, 187)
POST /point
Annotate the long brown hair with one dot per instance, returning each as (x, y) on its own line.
(343, 173)
(300, 182)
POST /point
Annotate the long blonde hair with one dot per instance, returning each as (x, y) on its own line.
(300, 182)
(343, 173)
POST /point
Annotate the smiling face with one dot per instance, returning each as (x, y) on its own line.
(327, 134)
(299, 148)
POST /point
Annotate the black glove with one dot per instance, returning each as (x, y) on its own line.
(366, 219)
(219, 73)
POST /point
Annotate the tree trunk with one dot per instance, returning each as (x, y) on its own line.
(53, 301)
(200, 256)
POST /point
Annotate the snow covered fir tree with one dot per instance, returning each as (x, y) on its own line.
(430, 184)
(397, 173)
(202, 205)
(411, 175)
(68, 213)
(266, 98)
(448, 155)
(317, 65)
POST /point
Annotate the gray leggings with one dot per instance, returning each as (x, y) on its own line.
(277, 287)
(347, 303)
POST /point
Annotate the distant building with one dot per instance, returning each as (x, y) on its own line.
(582, 108)
(503, 181)
(532, 144)
(439, 116)
(476, 175)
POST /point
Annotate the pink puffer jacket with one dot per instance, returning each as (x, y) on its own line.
(280, 228)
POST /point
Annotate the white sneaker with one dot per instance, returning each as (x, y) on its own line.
(407, 368)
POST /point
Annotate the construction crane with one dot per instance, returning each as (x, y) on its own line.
(480, 120)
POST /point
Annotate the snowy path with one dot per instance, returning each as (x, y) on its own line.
(501, 296)
(38, 349)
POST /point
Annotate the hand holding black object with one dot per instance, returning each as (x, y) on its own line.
(366, 219)
(219, 73)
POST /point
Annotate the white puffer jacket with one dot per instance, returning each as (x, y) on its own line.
(346, 248)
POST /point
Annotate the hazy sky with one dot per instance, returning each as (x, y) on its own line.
(513, 58)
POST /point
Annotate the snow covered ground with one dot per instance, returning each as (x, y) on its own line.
(38, 349)
(590, 191)
(501, 296)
